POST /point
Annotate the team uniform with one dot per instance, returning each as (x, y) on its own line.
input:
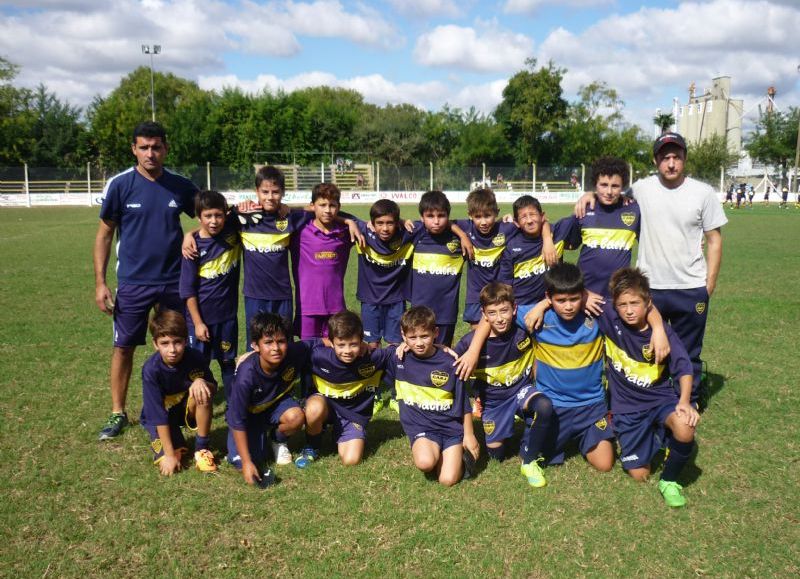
(149, 236)
(383, 269)
(349, 389)
(569, 368)
(503, 380)
(213, 278)
(642, 396)
(432, 399)
(258, 400)
(522, 265)
(484, 268)
(436, 277)
(165, 395)
(319, 263)
(606, 235)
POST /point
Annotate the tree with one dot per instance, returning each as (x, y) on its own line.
(775, 138)
(703, 160)
(531, 112)
(590, 125)
(664, 121)
(59, 137)
(15, 118)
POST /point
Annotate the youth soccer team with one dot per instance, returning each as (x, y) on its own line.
(574, 352)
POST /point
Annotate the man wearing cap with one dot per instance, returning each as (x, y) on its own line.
(677, 214)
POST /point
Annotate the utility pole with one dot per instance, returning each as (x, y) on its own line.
(152, 50)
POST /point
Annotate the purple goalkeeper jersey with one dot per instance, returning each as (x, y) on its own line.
(319, 262)
(635, 381)
(213, 277)
(436, 273)
(383, 267)
(164, 387)
(485, 267)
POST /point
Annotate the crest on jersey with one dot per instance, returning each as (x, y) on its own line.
(196, 373)
(700, 307)
(439, 378)
(647, 353)
(156, 445)
(523, 345)
(225, 346)
(366, 370)
(453, 245)
(288, 374)
(357, 426)
(488, 426)
(281, 224)
(589, 323)
(601, 424)
(499, 239)
(628, 218)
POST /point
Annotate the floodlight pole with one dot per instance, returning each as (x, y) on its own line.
(797, 151)
(155, 49)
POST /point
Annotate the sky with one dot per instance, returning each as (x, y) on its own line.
(424, 52)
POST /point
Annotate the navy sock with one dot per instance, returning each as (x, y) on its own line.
(498, 453)
(279, 436)
(200, 442)
(228, 372)
(314, 440)
(539, 410)
(679, 453)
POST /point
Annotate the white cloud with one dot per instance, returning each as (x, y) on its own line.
(489, 49)
(484, 97)
(426, 8)
(530, 6)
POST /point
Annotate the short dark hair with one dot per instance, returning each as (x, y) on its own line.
(480, 200)
(269, 324)
(271, 173)
(526, 201)
(149, 130)
(327, 191)
(168, 323)
(611, 166)
(345, 324)
(418, 317)
(629, 279)
(563, 278)
(383, 207)
(207, 199)
(432, 200)
(495, 292)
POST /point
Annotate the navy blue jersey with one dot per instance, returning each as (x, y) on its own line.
(436, 273)
(255, 391)
(522, 265)
(635, 381)
(148, 219)
(607, 235)
(383, 267)
(213, 277)
(349, 387)
(164, 387)
(505, 363)
(485, 268)
(429, 393)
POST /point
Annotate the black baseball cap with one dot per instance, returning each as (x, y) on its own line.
(668, 139)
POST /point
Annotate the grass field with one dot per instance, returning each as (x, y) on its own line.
(76, 507)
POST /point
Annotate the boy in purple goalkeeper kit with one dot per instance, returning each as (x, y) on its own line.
(210, 285)
(261, 401)
(345, 379)
(434, 407)
(643, 400)
(177, 388)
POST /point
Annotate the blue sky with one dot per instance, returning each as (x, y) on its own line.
(426, 52)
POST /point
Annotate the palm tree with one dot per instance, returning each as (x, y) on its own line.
(664, 121)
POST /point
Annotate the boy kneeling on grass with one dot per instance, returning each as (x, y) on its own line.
(177, 389)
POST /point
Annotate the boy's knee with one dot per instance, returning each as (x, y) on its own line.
(293, 419)
(425, 463)
(350, 459)
(449, 479)
(639, 474)
(539, 405)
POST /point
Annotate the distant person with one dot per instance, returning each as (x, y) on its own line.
(784, 197)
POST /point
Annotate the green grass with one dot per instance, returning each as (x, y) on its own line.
(76, 507)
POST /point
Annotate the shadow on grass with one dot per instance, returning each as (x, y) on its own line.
(715, 383)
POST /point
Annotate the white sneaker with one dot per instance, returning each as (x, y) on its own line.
(281, 453)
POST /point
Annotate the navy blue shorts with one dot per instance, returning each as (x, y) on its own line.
(382, 321)
(498, 415)
(443, 439)
(472, 313)
(178, 417)
(589, 424)
(132, 306)
(257, 427)
(224, 343)
(344, 429)
(446, 333)
(252, 306)
(641, 434)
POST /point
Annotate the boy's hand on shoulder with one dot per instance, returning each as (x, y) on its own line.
(585, 200)
(535, 318)
(687, 413)
(189, 246)
(355, 233)
(244, 357)
(466, 363)
(448, 351)
(401, 350)
(472, 446)
(283, 210)
(249, 206)
(409, 225)
(200, 391)
(593, 305)
(169, 464)
(509, 218)
(467, 249)
(659, 344)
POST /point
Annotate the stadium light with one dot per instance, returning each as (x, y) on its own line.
(797, 151)
(155, 49)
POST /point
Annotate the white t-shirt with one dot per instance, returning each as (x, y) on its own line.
(672, 229)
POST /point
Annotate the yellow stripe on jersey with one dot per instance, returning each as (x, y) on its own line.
(536, 265)
(506, 374)
(642, 374)
(570, 357)
(171, 400)
(259, 408)
(488, 257)
(346, 389)
(438, 263)
(405, 251)
(425, 397)
(608, 238)
(265, 242)
(222, 264)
